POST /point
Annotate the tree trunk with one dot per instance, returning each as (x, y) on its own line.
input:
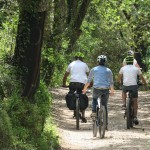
(28, 50)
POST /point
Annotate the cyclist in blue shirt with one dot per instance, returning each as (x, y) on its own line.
(102, 82)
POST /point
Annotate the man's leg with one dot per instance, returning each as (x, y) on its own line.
(83, 116)
(135, 107)
(124, 95)
(71, 91)
(135, 103)
(94, 103)
(80, 87)
(105, 98)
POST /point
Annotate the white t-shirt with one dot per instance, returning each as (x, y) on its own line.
(130, 73)
(78, 70)
(134, 62)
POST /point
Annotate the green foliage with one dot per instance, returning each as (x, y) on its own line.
(6, 135)
(23, 124)
(8, 26)
(52, 64)
(112, 28)
(49, 138)
(34, 5)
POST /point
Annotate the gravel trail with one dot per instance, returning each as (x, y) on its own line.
(116, 138)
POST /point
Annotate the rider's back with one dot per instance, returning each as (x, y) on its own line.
(130, 73)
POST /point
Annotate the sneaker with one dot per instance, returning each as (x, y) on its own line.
(93, 114)
(135, 120)
(123, 107)
(83, 120)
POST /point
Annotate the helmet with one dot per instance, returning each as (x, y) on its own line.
(79, 55)
(102, 59)
(129, 59)
(130, 52)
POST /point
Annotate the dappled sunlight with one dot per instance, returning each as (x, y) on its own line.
(117, 137)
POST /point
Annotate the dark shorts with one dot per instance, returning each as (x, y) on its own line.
(76, 86)
(133, 88)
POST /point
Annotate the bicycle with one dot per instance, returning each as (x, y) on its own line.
(99, 121)
(78, 102)
(129, 111)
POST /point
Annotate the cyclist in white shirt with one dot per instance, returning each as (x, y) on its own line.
(78, 71)
(129, 53)
(129, 75)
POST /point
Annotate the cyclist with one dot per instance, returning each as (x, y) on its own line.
(129, 74)
(129, 53)
(78, 71)
(102, 81)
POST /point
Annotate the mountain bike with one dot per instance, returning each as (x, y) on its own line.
(129, 111)
(99, 121)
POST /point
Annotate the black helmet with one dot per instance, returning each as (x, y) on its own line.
(102, 59)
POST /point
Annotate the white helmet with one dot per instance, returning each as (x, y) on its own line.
(102, 59)
(130, 52)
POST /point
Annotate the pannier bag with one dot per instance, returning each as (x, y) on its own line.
(84, 101)
(71, 101)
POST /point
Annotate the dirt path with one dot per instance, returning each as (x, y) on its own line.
(116, 138)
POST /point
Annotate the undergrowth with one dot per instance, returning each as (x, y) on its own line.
(25, 125)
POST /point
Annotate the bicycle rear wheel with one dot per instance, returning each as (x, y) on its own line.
(94, 128)
(77, 114)
(129, 114)
(102, 121)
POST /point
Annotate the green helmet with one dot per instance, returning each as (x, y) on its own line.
(129, 59)
(79, 55)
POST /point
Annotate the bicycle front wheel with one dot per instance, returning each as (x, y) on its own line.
(102, 121)
(77, 114)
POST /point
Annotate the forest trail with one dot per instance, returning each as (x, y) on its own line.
(116, 138)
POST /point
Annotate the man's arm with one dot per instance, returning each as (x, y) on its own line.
(111, 84)
(124, 63)
(142, 78)
(65, 78)
(120, 76)
(85, 87)
(112, 90)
